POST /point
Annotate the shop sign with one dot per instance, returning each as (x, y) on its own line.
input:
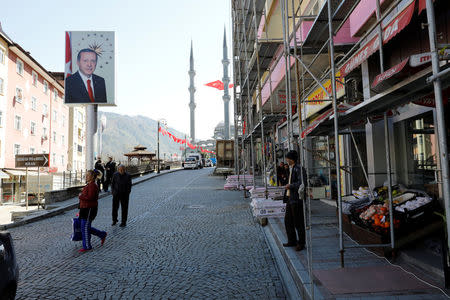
(389, 73)
(31, 160)
(429, 100)
(423, 58)
(318, 99)
(398, 24)
(391, 30)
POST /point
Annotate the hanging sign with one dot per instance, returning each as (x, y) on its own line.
(31, 160)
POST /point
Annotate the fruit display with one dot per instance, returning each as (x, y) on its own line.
(362, 192)
(377, 216)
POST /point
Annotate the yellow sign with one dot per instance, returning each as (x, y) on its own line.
(318, 99)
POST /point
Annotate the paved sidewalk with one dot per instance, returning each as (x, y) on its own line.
(365, 276)
(58, 207)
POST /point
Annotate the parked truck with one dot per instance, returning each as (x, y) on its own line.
(224, 156)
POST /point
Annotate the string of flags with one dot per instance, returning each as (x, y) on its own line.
(183, 141)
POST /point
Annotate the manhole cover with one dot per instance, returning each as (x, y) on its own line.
(195, 206)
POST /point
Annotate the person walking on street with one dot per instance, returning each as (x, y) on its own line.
(99, 167)
(88, 211)
(294, 217)
(120, 188)
(110, 169)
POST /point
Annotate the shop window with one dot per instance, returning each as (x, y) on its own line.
(417, 160)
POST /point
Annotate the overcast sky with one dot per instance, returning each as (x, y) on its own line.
(153, 43)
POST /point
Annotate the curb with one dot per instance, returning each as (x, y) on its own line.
(61, 210)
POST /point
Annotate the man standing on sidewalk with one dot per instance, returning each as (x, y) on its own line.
(120, 188)
(294, 218)
(110, 169)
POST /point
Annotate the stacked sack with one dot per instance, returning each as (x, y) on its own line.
(239, 182)
(272, 207)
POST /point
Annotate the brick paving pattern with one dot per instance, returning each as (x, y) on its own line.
(185, 239)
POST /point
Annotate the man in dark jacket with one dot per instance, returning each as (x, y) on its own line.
(294, 218)
(99, 167)
(120, 188)
(110, 169)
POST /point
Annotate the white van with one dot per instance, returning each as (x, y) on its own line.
(197, 157)
(190, 163)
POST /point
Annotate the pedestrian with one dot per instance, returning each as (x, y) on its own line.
(110, 169)
(100, 167)
(120, 188)
(281, 175)
(88, 211)
(294, 216)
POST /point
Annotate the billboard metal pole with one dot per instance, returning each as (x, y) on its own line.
(91, 112)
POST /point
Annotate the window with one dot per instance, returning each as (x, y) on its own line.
(32, 150)
(19, 66)
(16, 149)
(35, 78)
(80, 117)
(2, 55)
(1, 118)
(55, 94)
(62, 140)
(44, 109)
(44, 131)
(33, 103)
(54, 136)
(63, 122)
(19, 94)
(55, 115)
(54, 159)
(17, 122)
(62, 160)
(1, 86)
(45, 87)
(33, 128)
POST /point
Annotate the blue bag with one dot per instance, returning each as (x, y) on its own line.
(76, 234)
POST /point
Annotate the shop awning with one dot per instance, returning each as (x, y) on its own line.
(384, 80)
(3, 175)
(392, 29)
(325, 117)
(268, 121)
(409, 90)
(16, 172)
(318, 34)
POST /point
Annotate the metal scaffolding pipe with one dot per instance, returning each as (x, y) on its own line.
(441, 128)
(389, 173)
(287, 77)
(336, 133)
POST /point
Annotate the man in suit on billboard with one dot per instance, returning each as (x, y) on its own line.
(84, 86)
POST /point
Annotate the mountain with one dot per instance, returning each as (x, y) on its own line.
(123, 133)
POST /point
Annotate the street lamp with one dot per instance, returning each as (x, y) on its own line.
(163, 122)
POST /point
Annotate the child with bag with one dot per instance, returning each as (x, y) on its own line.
(88, 211)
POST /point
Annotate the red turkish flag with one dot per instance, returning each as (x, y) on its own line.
(218, 85)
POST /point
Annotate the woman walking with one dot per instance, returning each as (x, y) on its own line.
(88, 211)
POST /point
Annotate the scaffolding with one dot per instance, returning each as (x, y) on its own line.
(308, 62)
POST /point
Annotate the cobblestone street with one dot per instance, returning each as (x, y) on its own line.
(186, 238)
